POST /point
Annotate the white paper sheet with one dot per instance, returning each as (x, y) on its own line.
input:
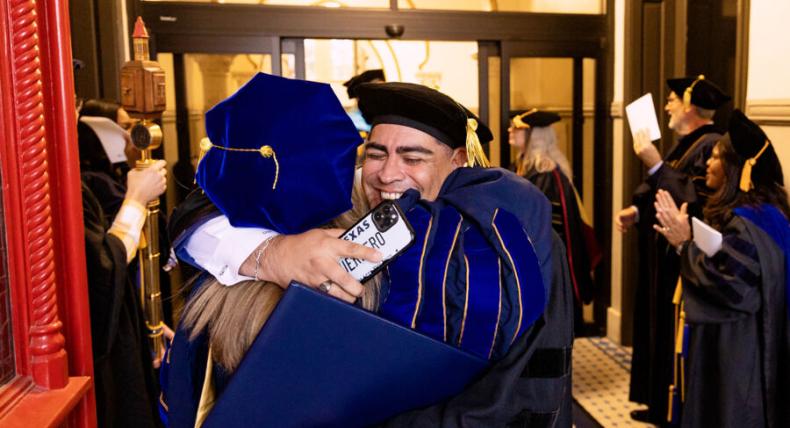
(112, 137)
(642, 115)
(707, 238)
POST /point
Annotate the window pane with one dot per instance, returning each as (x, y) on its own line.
(450, 67)
(7, 366)
(325, 3)
(540, 6)
(546, 84)
(209, 79)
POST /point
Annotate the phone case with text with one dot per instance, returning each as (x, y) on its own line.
(384, 228)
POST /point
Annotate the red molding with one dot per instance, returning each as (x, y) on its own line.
(47, 408)
(48, 356)
(43, 216)
(12, 393)
(66, 195)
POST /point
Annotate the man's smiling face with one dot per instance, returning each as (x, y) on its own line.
(398, 158)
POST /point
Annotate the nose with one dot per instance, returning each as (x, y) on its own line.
(390, 172)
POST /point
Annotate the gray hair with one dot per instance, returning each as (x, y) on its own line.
(704, 112)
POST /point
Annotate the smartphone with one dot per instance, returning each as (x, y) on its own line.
(384, 228)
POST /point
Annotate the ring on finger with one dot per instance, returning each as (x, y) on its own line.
(326, 286)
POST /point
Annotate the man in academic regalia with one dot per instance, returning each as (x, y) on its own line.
(691, 105)
(420, 140)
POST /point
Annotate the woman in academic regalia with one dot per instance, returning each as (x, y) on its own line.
(541, 162)
(113, 214)
(735, 297)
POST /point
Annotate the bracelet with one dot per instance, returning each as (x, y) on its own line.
(258, 254)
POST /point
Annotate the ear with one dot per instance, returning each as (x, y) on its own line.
(459, 157)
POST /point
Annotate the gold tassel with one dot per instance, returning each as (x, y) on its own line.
(518, 121)
(265, 151)
(474, 150)
(746, 173)
(688, 92)
(268, 152)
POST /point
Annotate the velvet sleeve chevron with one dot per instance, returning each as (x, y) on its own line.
(726, 286)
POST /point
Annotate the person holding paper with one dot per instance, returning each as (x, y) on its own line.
(691, 105)
(735, 301)
(541, 162)
(420, 141)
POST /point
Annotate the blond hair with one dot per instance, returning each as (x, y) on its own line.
(541, 153)
(233, 316)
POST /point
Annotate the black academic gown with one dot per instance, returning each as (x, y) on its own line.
(125, 386)
(110, 195)
(567, 222)
(737, 367)
(683, 175)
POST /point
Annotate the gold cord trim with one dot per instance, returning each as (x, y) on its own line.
(746, 173)
(266, 151)
(688, 92)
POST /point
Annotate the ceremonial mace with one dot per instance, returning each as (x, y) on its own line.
(143, 97)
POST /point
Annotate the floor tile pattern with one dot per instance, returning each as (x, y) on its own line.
(600, 381)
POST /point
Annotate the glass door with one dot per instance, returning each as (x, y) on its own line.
(562, 80)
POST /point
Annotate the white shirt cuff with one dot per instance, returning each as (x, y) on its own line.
(636, 219)
(221, 249)
(655, 168)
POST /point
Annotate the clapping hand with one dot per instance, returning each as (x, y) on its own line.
(674, 222)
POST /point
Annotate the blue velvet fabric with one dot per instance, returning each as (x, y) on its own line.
(473, 277)
(313, 140)
(775, 224)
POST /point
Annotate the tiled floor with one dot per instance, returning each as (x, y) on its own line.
(600, 381)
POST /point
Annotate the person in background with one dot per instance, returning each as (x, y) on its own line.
(691, 105)
(106, 157)
(125, 387)
(541, 162)
(368, 76)
(735, 297)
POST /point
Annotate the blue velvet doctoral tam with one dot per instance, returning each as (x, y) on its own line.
(282, 155)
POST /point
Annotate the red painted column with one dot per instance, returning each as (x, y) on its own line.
(48, 361)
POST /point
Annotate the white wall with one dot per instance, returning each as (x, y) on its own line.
(768, 88)
(614, 312)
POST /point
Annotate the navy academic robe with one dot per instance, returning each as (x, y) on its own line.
(514, 389)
